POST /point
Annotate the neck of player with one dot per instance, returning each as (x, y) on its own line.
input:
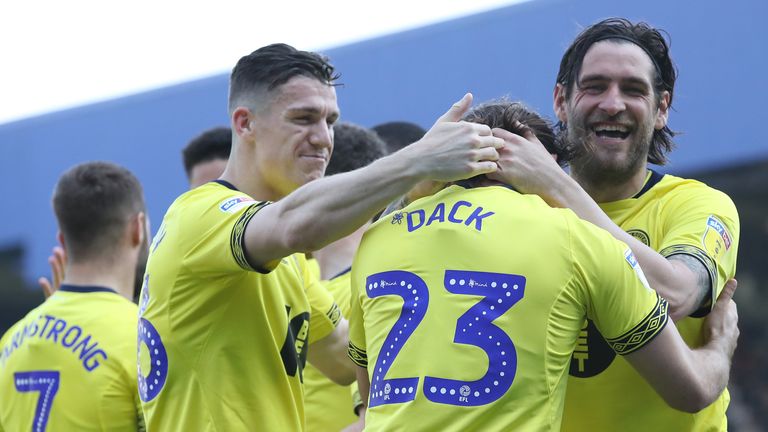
(608, 187)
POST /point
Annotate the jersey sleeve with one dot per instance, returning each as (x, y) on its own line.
(703, 222)
(219, 246)
(324, 313)
(626, 311)
(357, 346)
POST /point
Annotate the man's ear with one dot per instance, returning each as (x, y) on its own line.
(241, 121)
(559, 102)
(138, 229)
(662, 114)
(60, 238)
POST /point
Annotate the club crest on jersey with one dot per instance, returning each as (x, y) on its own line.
(716, 239)
(630, 258)
(232, 205)
(640, 235)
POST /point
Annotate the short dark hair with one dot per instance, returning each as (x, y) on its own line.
(505, 114)
(653, 41)
(93, 202)
(215, 143)
(398, 134)
(354, 147)
(273, 65)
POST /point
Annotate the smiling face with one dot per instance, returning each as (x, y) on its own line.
(293, 135)
(612, 112)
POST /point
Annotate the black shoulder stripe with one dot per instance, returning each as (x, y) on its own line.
(708, 263)
(237, 237)
(644, 332)
(358, 355)
(334, 314)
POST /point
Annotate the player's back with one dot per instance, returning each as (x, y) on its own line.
(472, 303)
(70, 364)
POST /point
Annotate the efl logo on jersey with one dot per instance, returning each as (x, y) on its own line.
(716, 239)
(232, 205)
(630, 258)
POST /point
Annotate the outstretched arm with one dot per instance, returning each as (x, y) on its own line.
(332, 207)
(525, 164)
(691, 379)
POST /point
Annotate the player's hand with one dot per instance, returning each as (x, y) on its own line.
(721, 325)
(58, 262)
(526, 165)
(453, 149)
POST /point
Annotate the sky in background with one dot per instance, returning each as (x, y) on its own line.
(60, 54)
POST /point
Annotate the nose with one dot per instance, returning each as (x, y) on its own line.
(322, 135)
(612, 102)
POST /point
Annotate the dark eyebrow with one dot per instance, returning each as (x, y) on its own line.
(304, 110)
(628, 80)
(313, 111)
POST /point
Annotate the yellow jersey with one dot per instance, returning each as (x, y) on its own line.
(330, 406)
(70, 364)
(222, 345)
(466, 307)
(673, 216)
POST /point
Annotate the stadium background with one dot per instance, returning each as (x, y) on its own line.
(721, 50)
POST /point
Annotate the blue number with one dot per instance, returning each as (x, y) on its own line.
(150, 384)
(415, 296)
(500, 292)
(475, 327)
(45, 382)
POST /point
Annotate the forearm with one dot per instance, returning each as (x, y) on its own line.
(330, 208)
(672, 280)
(329, 355)
(363, 384)
(688, 380)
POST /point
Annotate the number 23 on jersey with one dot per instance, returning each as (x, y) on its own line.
(475, 327)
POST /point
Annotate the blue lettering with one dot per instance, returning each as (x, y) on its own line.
(58, 326)
(48, 319)
(22, 335)
(438, 214)
(411, 226)
(477, 218)
(84, 348)
(32, 329)
(452, 214)
(66, 335)
(15, 341)
(91, 362)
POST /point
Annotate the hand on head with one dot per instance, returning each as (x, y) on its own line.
(525, 164)
(453, 149)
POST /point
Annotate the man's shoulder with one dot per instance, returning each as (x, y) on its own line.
(674, 186)
(212, 195)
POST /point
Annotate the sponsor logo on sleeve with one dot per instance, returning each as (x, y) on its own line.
(233, 205)
(632, 261)
(716, 239)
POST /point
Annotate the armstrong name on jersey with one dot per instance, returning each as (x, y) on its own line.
(69, 336)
